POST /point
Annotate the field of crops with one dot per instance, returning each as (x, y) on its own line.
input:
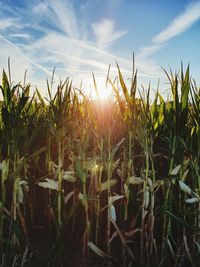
(112, 182)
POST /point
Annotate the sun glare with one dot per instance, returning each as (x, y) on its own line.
(104, 91)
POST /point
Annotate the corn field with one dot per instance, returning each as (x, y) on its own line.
(114, 182)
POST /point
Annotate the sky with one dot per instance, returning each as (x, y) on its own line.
(78, 37)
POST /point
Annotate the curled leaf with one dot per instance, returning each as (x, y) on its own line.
(4, 167)
(22, 185)
(97, 250)
(108, 184)
(83, 200)
(175, 170)
(69, 176)
(68, 196)
(113, 213)
(198, 246)
(192, 200)
(185, 188)
(114, 198)
(135, 180)
(49, 184)
(150, 182)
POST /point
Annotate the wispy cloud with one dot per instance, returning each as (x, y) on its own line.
(48, 34)
(147, 51)
(105, 33)
(25, 36)
(180, 24)
(6, 23)
(60, 14)
(23, 57)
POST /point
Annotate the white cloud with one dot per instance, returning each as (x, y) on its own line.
(40, 8)
(17, 61)
(25, 36)
(105, 33)
(178, 25)
(60, 14)
(6, 23)
(20, 63)
(149, 50)
(60, 42)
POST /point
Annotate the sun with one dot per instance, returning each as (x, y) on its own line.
(104, 92)
(99, 91)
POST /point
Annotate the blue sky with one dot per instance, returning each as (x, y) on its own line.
(81, 36)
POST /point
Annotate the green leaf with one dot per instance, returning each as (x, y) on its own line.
(79, 170)
(185, 89)
(21, 105)
(181, 221)
(123, 85)
(40, 97)
(115, 149)
(123, 240)
(5, 88)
